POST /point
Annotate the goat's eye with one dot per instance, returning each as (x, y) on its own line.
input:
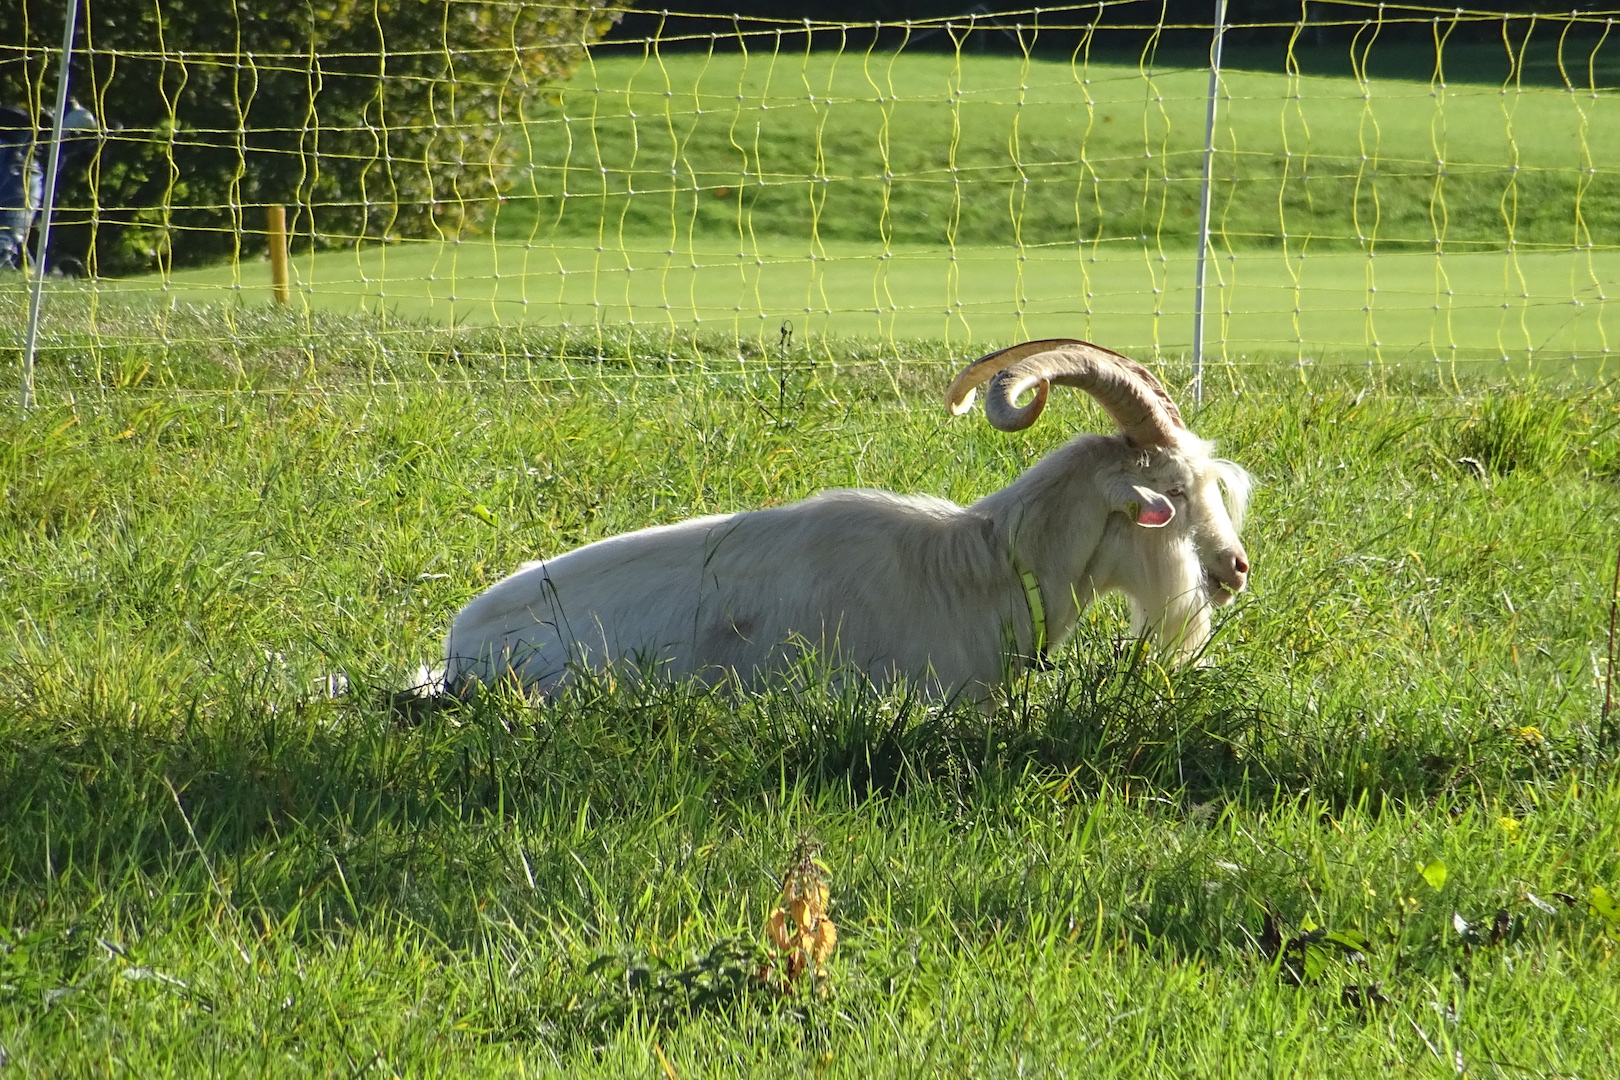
(1176, 491)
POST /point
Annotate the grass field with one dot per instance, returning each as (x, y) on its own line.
(1377, 835)
(922, 148)
(973, 198)
(1545, 306)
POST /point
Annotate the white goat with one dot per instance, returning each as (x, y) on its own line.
(955, 599)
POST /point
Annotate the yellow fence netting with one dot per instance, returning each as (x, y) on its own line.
(1390, 185)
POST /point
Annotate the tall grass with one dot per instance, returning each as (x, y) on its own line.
(209, 863)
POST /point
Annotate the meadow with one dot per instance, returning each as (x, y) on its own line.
(1375, 835)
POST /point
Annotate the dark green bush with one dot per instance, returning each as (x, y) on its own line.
(367, 118)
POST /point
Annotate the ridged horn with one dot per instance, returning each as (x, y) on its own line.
(1128, 391)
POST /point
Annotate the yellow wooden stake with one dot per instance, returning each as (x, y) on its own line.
(277, 216)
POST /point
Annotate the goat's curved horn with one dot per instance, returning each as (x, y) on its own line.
(1128, 391)
(959, 397)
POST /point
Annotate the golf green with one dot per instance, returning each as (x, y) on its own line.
(1339, 305)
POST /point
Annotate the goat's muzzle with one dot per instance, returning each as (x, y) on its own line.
(1224, 580)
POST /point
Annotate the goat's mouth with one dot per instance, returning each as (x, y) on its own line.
(1220, 592)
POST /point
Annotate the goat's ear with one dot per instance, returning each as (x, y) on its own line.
(1143, 505)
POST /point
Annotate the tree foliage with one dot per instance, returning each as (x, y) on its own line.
(368, 118)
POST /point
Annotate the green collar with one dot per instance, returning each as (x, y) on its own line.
(1037, 612)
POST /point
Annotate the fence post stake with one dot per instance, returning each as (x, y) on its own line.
(277, 220)
(31, 343)
(1203, 203)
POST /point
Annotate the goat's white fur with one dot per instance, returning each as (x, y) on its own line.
(897, 587)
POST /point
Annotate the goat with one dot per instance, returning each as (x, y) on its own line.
(953, 599)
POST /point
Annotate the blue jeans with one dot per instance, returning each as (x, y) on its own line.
(21, 191)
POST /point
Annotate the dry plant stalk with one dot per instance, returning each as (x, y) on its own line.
(799, 931)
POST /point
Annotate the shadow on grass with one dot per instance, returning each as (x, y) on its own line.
(329, 814)
(226, 776)
(1533, 55)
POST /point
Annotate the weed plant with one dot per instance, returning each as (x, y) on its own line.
(1375, 834)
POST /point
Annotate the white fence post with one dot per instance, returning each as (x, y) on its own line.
(1203, 206)
(31, 344)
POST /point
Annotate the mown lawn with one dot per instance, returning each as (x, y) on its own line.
(1548, 308)
(940, 148)
(1375, 835)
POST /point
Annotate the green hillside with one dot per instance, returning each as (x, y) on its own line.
(921, 148)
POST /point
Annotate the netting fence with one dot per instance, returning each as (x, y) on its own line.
(1390, 185)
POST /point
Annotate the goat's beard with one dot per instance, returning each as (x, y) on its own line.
(1176, 608)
